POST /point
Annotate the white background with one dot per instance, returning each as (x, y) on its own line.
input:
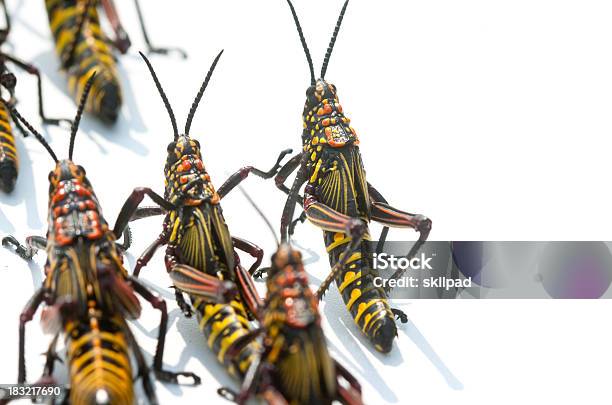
(490, 117)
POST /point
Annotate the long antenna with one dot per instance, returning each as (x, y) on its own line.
(333, 40)
(260, 212)
(79, 114)
(15, 114)
(163, 96)
(303, 40)
(195, 103)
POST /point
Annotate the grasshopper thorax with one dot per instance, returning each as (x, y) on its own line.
(187, 182)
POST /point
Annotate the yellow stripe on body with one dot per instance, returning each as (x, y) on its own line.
(364, 306)
(218, 327)
(60, 16)
(355, 294)
(7, 139)
(339, 239)
(227, 341)
(316, 171)
(349, 278)
(370, 319)
(98, 367)
(9, 154)
(95, 355)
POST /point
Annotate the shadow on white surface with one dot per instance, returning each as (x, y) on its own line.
(194, 346)
(411, 330)
(25, 193)
(42, 33)
(354, 342)
(5, 225)
(309, 256)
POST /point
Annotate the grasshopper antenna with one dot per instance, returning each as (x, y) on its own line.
(260, 212)
(330, 48)
(15, 114)
(163, 96)
(77, 119)
(303, 40)
(194, 106)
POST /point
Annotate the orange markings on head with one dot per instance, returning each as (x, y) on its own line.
(185, 166)
(290, 280)
(59, 195)
(333, 143)
(326, 109)
(82, 191)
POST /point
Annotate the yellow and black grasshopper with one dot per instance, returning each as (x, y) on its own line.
(88, 293)
(9, 160)
(294, 366)
(339, 200)
(83, 47)
(198, 239)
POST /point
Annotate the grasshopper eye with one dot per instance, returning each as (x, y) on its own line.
(197, 143)
(81, 170)
(171, 147)
(51, 176)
